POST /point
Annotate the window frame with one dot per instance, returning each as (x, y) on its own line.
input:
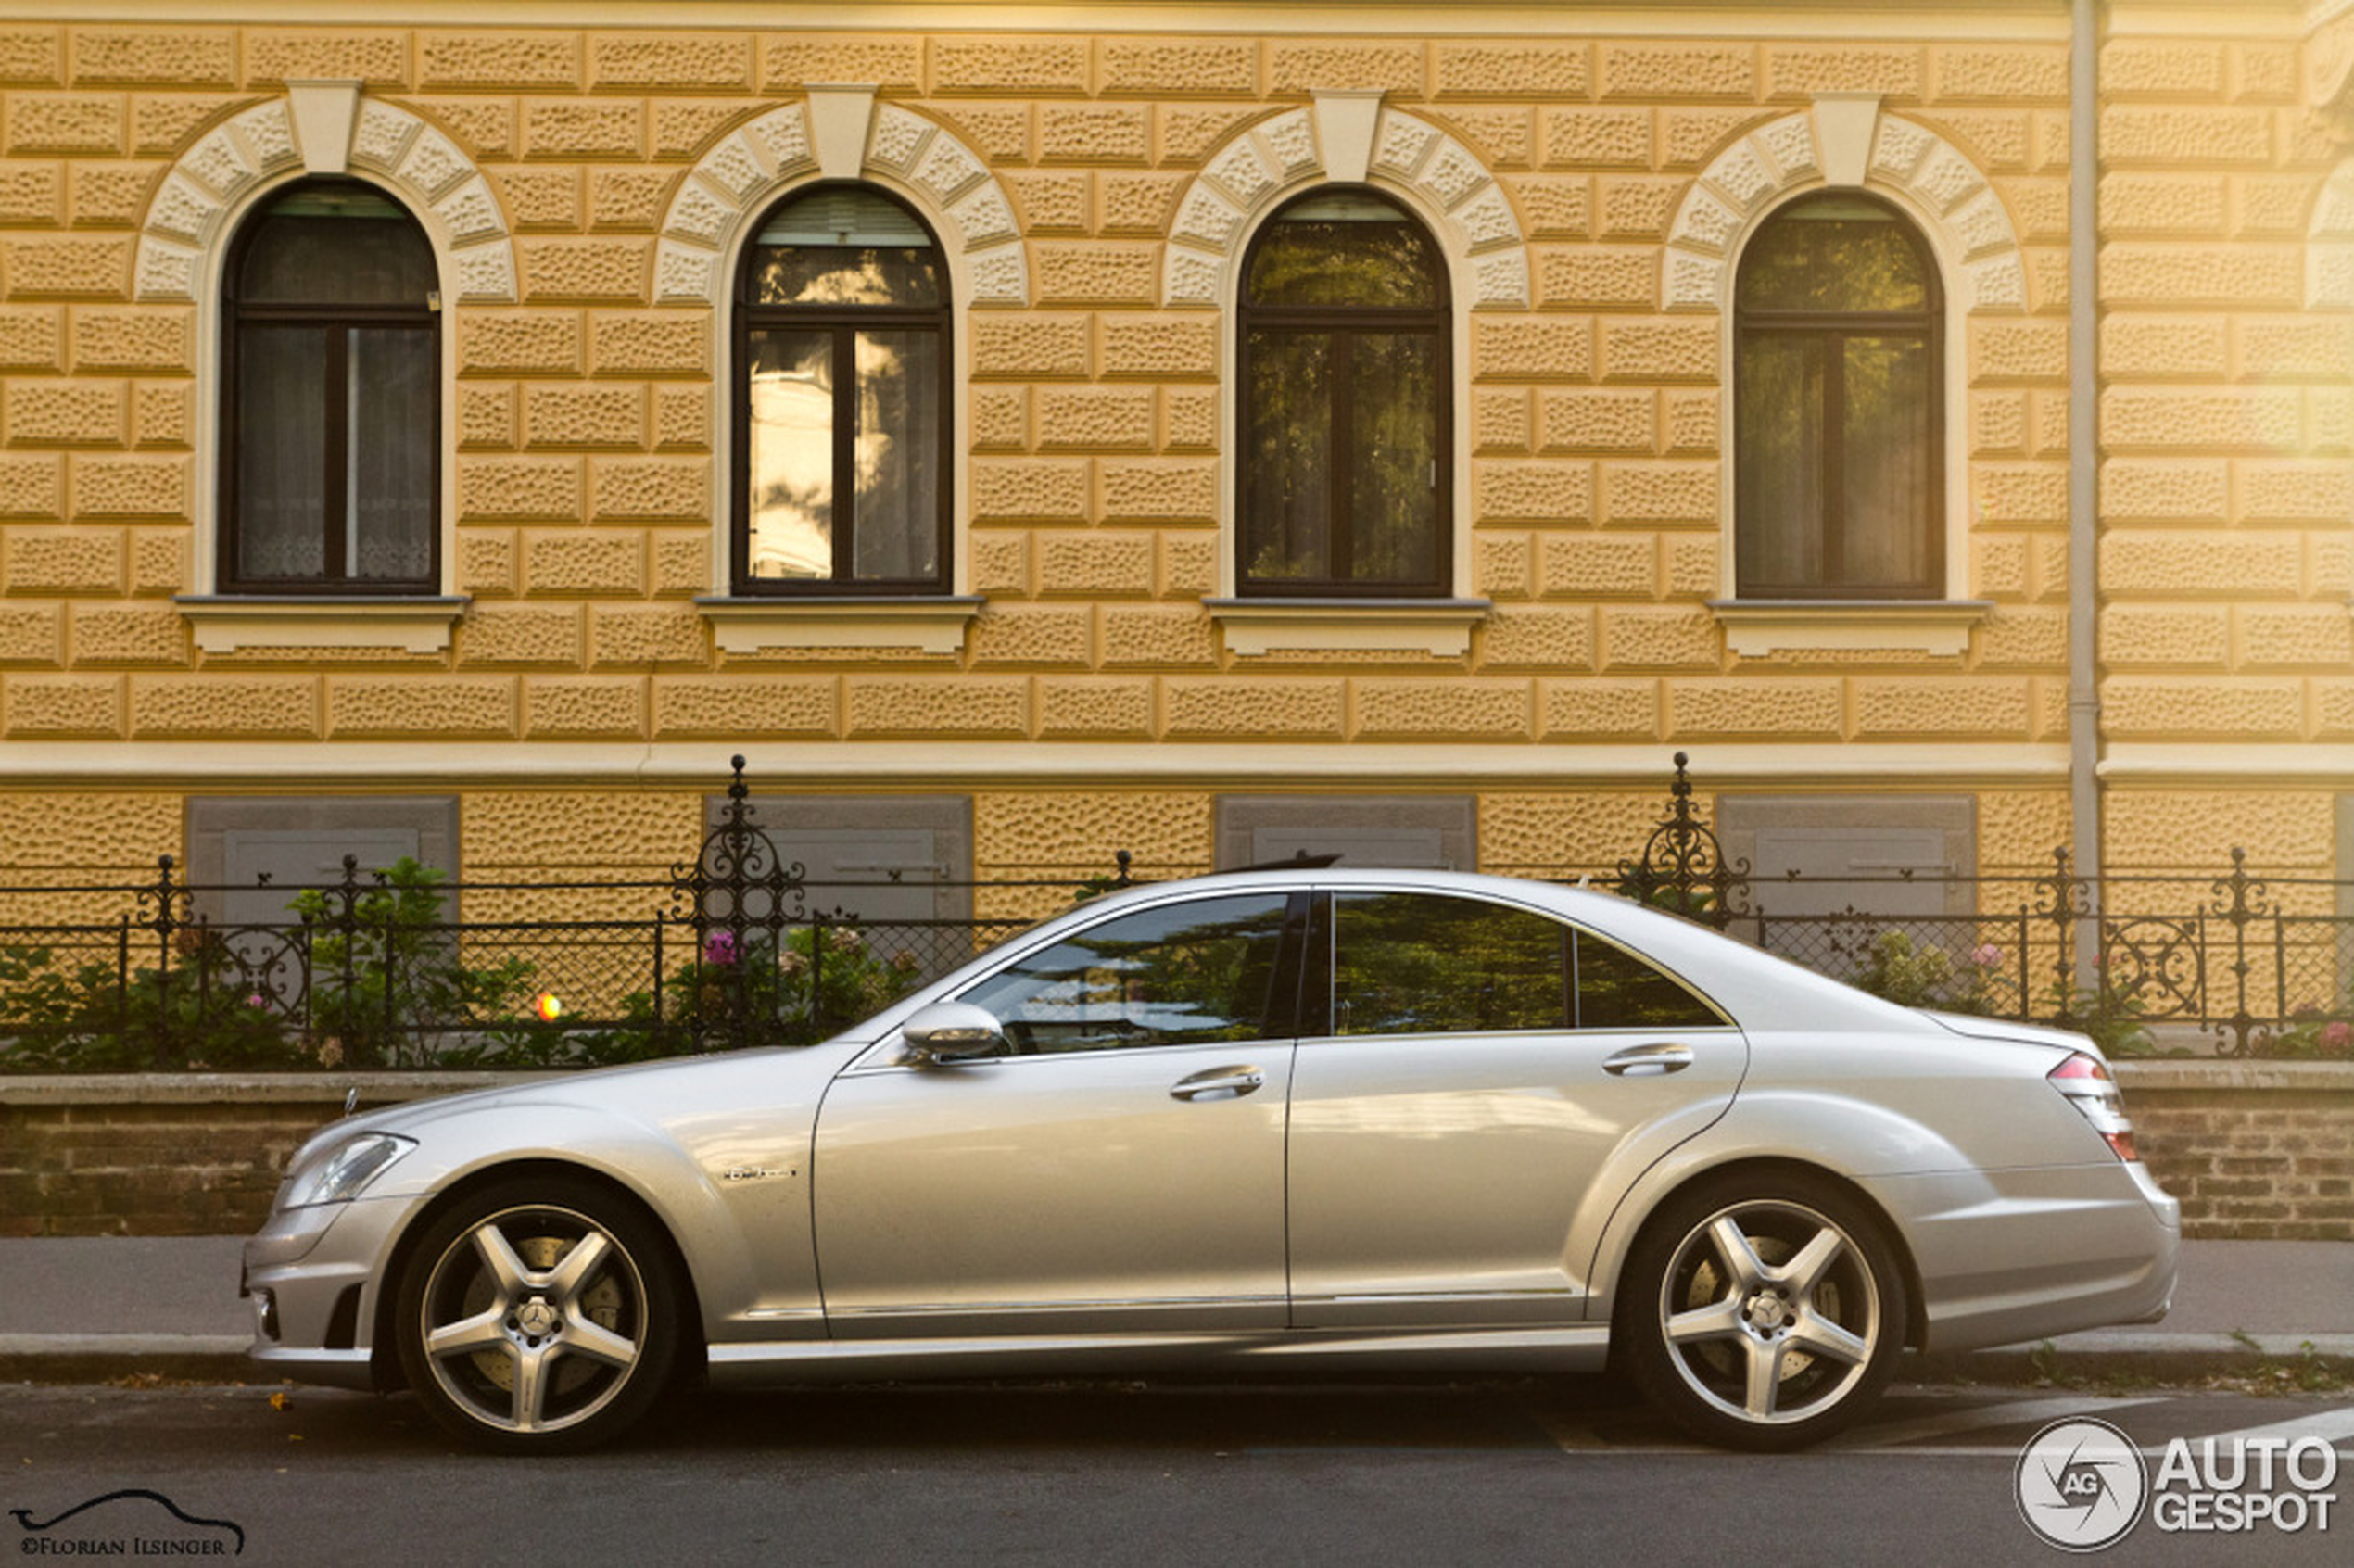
(1346, 322)
(235, 315)
(844, 323)
(1832, 329)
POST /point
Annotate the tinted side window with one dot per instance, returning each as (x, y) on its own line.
(1422, 963)
(1175, 975)
(1616, 990)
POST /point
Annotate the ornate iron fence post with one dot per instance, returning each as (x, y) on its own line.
(737, 868)
(2057, 893)
(2240, 900)
(1683, 867)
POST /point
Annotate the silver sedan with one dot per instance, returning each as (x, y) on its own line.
(1307, 1118)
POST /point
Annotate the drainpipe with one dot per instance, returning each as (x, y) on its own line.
(2083, 469)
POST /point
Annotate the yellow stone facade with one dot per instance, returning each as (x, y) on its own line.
(1590, 173)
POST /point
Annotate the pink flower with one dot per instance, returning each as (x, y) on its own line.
(2337, 1033)
(255, 1001)
(1988, 956)
(719, 947)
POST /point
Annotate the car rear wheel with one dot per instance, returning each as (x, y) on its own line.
(1763, 1314)
(540, 1316)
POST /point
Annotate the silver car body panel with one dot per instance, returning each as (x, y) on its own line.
(1053, 1211)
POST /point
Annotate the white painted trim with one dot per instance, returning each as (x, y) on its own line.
(325, 114)
(407, 625)
(1258, 629)
(1388, 767)
(1758, 629)
(2235, 763)
(750, 628)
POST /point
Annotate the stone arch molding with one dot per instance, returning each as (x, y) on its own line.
(1843, 143)
(2329, 244)
(1345, 137)
(325, 128)
(839, 132)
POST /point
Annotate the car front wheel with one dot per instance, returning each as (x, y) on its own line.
(1763, 1314)
(538, 1317)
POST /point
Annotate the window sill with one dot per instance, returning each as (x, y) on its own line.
(926, 623)
(1258, 628)
(230, 624)
(1757, 627)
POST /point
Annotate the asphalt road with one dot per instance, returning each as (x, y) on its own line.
(1425, 1473)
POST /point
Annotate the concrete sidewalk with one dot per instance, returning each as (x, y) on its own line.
(94, 1309)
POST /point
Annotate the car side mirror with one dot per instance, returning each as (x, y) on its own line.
(951, 1031)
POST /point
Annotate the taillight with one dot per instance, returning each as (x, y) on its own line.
(2086, 1082)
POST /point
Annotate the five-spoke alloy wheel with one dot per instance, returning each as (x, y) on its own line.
(1763, 1314)
(538, 1317)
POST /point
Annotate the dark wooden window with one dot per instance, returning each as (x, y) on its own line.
(841, 418)
(330, 419)
(1344, 479)
(1840, 417)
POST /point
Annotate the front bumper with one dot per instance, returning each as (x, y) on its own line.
(314, 1275)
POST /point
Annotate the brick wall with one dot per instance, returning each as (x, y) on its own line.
(2257, 1151)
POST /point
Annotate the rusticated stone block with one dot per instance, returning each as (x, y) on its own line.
(218, 705)
(1585, 421)
(1456, 709)
(2016, 350)
(164, 123)
(1174, 635)
(2020, 828)
(1177, 66)
(975, 705)
(2257, 419)
(484, 127)
(2161, 68)
(1637, 207)
(628, 198)
(1802, 71)
(129, 487)
(151, 339)
(1121, 563)
(1095, 708)
(486, 560)
(2016, 71)
(539, 198)
(378, 57)
(641, 343)
(62, 266)
(622, 635)
(1500, 138)
(519, 343)
(2176, 135)
(1562, 830)
(1540, 491)
(65, 122)
(559, 707)
(670, 61)
(1513, 70)
(2200, 828)
(1594, 278)
(63, 560)
(1001, 563)
(1535, 349)
(64, 707)
(2169, 203)
(688, 707)
(1691, 137)
(682, 417)
(1093, 134)
(2001, 566)
(583, 269)
(1232, 707)
(1184, 488)
(178, 57)
(520, 634)
(1596, 710)
(1974, 707)
(1188, 564)
(404, 705)
(515, 60)
(999, 418)
(32, 338)
(2211, 707)
(58, 413)
(2015, 637)
(598, 414)
(1503, 566)
(1998, 422)
(1030, 487)
(487, 416)
(1032, 634)
(650, 490)
(2265, 71)
(162, 413)
(2278, 635)
(548, 830)
(32, 485)
(31, 194)
(788, 62)
(1095, 272)
(571, 128)
(1649, 70)
(1080, 830)
(2164, 489)
(495, 488)
(2268, 350)
(1663, 491)
(2201, 566)
(1998, 141)
(1796, 707)
(1028, 66)
(1158, 347)
(1499, 423)
(1660, 350)
(1600, 566)
(1189, 417)
(31, 57)
(1549, 638)
(585, 562)
(158, 559)
(683, 128)
(1691, 421)
(1597, 138)
(2020, 492)
(1001, 134)
(1128, 203)
(1031, 346)
(1056, 201)
(1676, 638)
(1695, 566)
(682, 563)
(1302, 67)
(144, 634)
(2292, 491)
(1556, 205)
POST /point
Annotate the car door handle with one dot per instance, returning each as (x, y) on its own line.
(1647, 1061)
(1234, 1081)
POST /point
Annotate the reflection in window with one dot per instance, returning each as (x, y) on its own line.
(333, 422)
(1837, 396)
(841, 349)
(1344, 473)
(1177, 974)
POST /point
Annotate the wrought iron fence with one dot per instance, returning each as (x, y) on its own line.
(738, 947)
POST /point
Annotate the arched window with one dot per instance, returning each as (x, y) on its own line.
(1840, 423)
(331, 426)
(1342, 482)
(841, 356)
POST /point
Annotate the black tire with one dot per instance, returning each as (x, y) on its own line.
(1776, 1349)
(515, 1347)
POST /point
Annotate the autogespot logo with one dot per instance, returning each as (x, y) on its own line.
(2081, 1485)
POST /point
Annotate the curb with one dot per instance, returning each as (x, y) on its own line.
(107, 1358)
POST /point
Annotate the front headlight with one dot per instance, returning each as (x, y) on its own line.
(338, 1173)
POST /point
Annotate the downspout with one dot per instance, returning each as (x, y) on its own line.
(2083, 474)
